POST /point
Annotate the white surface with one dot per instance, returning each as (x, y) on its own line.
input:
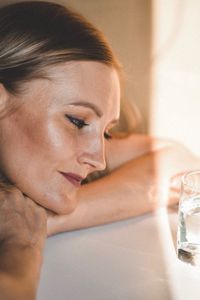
(133, 259)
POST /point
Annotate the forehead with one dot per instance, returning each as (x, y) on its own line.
(93, 82)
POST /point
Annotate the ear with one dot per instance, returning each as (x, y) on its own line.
(4, 97)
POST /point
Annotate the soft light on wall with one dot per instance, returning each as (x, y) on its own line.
(175, 94)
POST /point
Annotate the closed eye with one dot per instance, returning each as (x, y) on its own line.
(79, 123)
(107, 136)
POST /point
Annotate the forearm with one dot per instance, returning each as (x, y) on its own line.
(19, 271)
(121, 150)
(137, 187)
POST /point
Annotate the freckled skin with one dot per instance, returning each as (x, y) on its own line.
(38, 140)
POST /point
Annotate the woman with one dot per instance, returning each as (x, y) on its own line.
(59, 98)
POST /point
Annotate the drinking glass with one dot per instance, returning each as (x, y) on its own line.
(188, 235)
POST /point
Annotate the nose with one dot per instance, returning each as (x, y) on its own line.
(93, 155)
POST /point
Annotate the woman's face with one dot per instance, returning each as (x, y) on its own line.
(57, 136)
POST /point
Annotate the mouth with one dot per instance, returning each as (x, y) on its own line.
(72, 178)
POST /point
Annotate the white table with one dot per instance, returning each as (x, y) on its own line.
(128, 260)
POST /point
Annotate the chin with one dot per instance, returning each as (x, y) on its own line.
(62, 206)
(64, 209)
(53, 200)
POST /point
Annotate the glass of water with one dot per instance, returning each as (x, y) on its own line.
(188, 236)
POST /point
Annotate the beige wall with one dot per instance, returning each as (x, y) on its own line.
(176, 71)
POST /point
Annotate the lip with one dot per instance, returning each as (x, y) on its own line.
(73, 178)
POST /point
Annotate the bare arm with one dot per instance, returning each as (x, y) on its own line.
(137, 186)
(22, 236)
(121, 150)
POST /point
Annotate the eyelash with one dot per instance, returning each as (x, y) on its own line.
(107, 136)
(79, 123)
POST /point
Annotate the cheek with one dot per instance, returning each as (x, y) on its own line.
(59, 138)
(35, 144)
(20, 151)
(64, 144)
(42, 138)
(30, 157)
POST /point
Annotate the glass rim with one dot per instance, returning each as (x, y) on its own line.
(184, 180)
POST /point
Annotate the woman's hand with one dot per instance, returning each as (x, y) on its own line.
(22, 221)
(22, 237)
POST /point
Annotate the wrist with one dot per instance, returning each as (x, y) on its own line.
(19, 259)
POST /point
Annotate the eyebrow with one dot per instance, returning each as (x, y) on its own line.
(114, 121)
(92, 106)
